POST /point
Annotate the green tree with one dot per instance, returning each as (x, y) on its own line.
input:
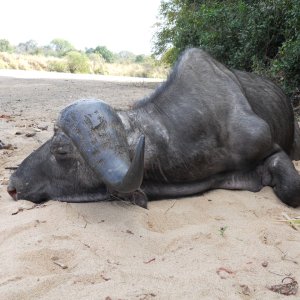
(29, 47)
(105, 53)
(260, 36)
(140, 58)
(126, 57)
(5, 46)
(61, 47)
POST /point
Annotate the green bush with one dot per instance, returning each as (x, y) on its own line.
(286, 67)
(77, 62)
(258, 36)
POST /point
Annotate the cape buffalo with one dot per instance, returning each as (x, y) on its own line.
(206, 127)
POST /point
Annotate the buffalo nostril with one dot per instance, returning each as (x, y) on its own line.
(12, 191)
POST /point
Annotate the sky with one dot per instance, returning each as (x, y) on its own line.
(118, 25)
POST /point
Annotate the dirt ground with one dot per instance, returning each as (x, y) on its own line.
(221, 245)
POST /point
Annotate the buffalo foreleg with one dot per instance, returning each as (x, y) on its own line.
(276, 171)
(239, 180)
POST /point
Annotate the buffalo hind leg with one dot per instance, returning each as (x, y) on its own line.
(279, 172)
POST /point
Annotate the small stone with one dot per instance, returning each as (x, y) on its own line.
(265, 264)
(18, 133)
(55, 258)
(42, 127)
(245, 289)
(8, 147)
(30, 134)
(56, 261)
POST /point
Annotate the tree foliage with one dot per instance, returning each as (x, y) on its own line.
(260, 36)
(107, 55)
(125, 57)
(29, 47)
(61, 47)
(5, 46)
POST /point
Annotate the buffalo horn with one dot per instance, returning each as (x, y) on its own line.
(99, 135)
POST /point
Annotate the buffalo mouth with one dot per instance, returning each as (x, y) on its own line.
(137, 197)
(12, 192)
(102, 195)
(95, 196)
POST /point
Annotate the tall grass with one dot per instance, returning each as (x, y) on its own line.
(23, 62)
(80, 63)
(137, 70)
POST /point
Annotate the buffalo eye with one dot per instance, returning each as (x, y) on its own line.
(61, 146)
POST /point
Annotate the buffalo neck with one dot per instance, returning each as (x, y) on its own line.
(147, 121)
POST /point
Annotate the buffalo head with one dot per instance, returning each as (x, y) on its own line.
(87, 159)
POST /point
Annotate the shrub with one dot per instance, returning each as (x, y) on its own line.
(23, 64)
(97, 63)
(286, 68)
(258, 36)
(3, 64)
(58, 66)
(6, 57)
(77, 62)
(37, 62)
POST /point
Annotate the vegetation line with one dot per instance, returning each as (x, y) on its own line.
(61, 56)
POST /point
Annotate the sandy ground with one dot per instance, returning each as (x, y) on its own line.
(221, 245)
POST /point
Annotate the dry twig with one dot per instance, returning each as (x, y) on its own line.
(286, 289)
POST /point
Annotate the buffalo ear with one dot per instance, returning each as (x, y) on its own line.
(99, 135)
(139, 198)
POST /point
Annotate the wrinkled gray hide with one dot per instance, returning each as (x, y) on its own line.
(206, 127)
